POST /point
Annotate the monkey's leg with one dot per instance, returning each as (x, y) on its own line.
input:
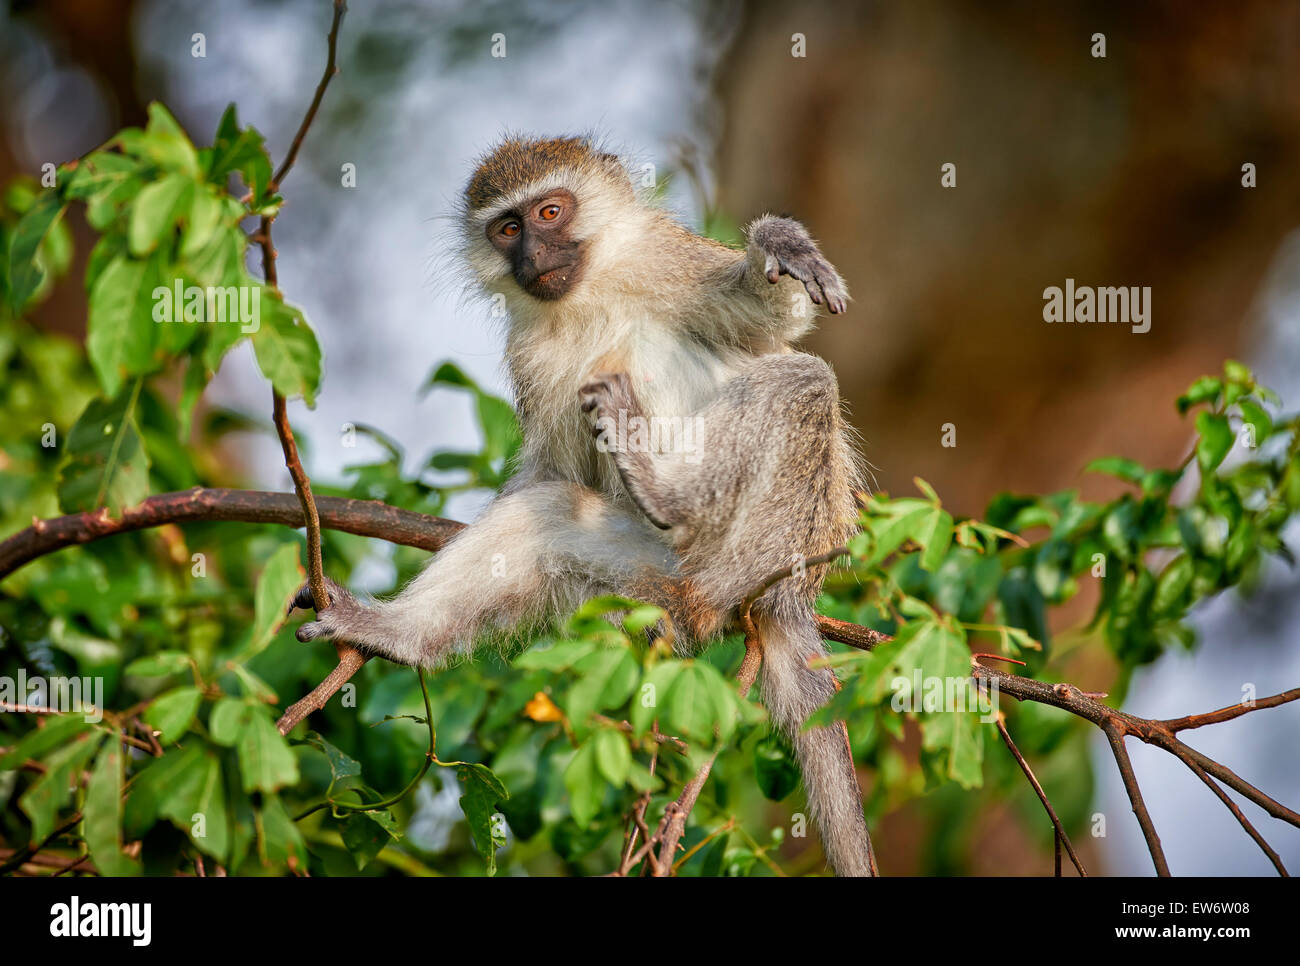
(535, 552)
(774, 486)
(765, 475)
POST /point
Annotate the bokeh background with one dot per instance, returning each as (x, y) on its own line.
(1122, 170)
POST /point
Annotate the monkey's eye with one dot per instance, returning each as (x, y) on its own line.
(510, 229)
(549, 212)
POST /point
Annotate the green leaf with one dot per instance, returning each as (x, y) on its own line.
(280, 841)
(171, 714)
(1235, 371)
(952, 744)
(364, 838)
(554, 657)
(265, 759)
(608, 677)
(1257, 418)
(155, 212)
(1125, 469)
(613, 757)
(1203, 390)
(341, 765)
(57, 730)
(166, 144)
(890, 533)
(242, 151)
(281, 577)
(202, 221)
(158, 665)
(228, 720)
(25, 269)
(105, 464)
(695, 706)
(103, 814)
(1172, 585)
(100, 174)
(481, 792)
(195, 801)
(120, 331)
(934, 534)
(1216, 439)
(156, 783)
(53, 790)
(448, 374)
(585, 784)
(651, 694)
(287, 351)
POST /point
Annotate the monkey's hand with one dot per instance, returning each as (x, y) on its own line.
(784, 247)
(341, 619)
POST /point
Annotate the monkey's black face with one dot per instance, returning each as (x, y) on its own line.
(545, 260)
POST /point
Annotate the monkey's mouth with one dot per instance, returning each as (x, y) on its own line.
(552, 283)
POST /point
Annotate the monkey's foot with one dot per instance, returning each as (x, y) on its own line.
(788, 249)
(337, 621)
(603, 396)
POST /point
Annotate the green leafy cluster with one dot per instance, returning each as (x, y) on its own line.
(169, 232)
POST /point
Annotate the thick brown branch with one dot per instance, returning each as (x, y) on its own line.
(366, 518)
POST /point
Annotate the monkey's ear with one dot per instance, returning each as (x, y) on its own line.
(615, 169)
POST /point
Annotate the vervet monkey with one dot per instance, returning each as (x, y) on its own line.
(619, 314)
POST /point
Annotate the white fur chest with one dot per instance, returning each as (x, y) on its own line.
(672, 376)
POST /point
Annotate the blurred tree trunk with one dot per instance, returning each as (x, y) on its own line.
(1117, 171)
(95, 36)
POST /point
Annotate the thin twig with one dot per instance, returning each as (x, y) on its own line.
(340, 8)
(1227, 714)
(1058, 829)
(1116, 739)
(1245, 822)
(350, 659)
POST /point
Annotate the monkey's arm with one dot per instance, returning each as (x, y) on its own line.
(763, 292)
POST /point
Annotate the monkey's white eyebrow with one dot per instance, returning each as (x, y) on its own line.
(525, 196)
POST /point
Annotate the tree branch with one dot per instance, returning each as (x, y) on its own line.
(350, 659)
(1059, 834)
(365, 518)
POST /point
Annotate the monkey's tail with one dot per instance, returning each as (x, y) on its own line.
(791, 692)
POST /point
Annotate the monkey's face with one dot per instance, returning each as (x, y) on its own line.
(535, 238)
